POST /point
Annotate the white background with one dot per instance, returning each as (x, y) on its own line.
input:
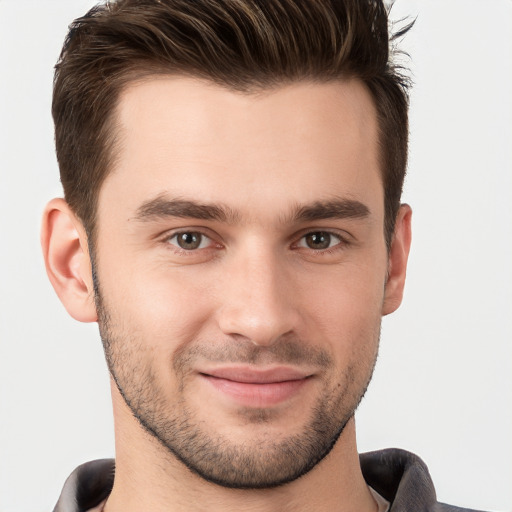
(443, 386)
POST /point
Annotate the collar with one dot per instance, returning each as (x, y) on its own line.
(399, 476)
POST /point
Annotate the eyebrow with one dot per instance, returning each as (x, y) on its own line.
(338, 208)
(163, 207)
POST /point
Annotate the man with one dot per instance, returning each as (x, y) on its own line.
(232, 220)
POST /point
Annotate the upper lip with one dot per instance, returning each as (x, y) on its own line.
(252, 375)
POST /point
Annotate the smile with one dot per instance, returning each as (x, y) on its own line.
(257, 388)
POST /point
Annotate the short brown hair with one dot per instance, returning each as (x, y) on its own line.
(244, 45)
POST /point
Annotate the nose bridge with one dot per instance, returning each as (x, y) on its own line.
(257, 301)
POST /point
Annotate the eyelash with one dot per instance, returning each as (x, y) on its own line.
(188, 252)
(343, 242)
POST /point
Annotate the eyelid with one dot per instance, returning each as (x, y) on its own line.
(204, 240)
(204, 232)
(340, 240)
(344, 236)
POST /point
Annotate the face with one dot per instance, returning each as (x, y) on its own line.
(241, 271)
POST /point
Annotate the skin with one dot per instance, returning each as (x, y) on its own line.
(258, 293)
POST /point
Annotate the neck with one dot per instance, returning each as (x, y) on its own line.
(148, 477)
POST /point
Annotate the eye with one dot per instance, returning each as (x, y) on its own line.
(190, 240)
(319, 240)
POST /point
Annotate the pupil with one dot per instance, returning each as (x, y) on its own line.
(189, 240)
(318, 240)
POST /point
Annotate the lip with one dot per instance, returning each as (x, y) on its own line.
(251, 375)
(258, 388)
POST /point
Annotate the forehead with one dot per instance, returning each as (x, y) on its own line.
(293, 144)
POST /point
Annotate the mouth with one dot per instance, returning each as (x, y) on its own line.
(258, 388)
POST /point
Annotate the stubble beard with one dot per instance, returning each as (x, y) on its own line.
(257, 463)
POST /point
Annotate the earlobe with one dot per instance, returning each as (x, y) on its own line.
(67, 261)
(397, 262)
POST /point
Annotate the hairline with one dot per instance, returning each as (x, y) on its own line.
(141, 74)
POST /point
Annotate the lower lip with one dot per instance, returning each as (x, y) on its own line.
(257, 395)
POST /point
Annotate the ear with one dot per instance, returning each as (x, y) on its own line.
(67, 261)
(397, 260)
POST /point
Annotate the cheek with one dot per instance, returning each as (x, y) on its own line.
(346, 311)
(163, 307)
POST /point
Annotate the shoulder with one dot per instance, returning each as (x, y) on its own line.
(403, 479)
(87, 486)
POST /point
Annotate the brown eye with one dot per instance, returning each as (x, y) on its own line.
(189, 240)
(319, 240)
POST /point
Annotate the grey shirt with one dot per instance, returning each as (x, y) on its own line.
(398, 476)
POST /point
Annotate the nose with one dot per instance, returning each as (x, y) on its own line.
(258, 301)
